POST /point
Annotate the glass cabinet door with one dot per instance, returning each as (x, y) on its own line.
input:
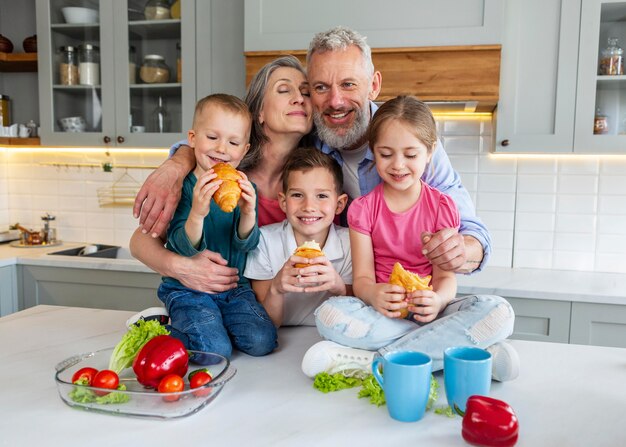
(76, 62)
(601, 104)
(155, 87)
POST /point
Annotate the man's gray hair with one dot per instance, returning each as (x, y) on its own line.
(340, 38)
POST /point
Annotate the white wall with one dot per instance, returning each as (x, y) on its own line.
(555, 213)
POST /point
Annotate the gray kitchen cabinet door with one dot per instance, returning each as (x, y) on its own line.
(598, 91)
(290, 25)
(541, 320)
(535, 111)
(121, 99)
(598, 324)
(8, 290)
(99, 289)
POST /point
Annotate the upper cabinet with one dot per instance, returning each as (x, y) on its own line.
(115, 72)
(555, 96)
(601, 102)
(289, 25)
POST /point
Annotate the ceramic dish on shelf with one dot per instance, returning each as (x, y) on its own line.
(78, 15)
(136, 400)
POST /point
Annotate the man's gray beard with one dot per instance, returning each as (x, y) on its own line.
(353, 136)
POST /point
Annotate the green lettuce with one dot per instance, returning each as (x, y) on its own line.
(86, 396)
(326, 383)
(132, 342)
(373, 390)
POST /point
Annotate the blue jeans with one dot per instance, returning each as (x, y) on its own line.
(475, 320)
(217, 322)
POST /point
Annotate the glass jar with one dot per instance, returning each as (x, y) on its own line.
(600, 123)
(160, 118)
(68, 66)
(179, 73)
(5, 110)
(154, 70)
(132, 65)
(157, 10)
(89, 64)
(612, 59)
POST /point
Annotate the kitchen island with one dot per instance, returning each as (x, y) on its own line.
(567, 395)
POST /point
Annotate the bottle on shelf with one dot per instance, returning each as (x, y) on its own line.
(68, 66)
(612, 59)
(89, 64)
(600, 123)
(160, 118)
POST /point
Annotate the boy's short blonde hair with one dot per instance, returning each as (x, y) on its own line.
(227, 102)
(306, 158)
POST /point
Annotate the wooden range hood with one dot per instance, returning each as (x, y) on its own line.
(453, 74)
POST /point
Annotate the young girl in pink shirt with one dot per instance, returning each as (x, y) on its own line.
(388, 226)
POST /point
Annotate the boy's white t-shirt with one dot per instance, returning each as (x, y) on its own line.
(276, 245)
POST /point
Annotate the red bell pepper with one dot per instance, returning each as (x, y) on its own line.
(489, 422)
(162, 355)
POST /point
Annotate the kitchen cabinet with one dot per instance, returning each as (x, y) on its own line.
(289, 25)
(598, 92)
(539, 62)
(598, 324)
(541, 320)
(98, 289)
(550, 89)
(8, 290)
(116, 98)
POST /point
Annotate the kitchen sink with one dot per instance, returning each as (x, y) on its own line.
(100, 251)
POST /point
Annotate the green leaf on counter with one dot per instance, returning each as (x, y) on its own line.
(327, 383)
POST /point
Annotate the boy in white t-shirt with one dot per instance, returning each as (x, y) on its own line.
(312, 197)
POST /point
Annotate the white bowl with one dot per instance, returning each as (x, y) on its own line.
(73, 124)
(74, 14)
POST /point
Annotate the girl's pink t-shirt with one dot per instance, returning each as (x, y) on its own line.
(396, 237)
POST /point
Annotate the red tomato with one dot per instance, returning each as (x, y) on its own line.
(105, 379)
(171, 383)
(85, 376)
(199, 378)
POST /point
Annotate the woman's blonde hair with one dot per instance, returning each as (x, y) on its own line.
(410, 110)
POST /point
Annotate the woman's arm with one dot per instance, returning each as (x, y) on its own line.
(207, 271)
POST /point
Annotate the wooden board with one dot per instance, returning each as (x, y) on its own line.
(454, 73)
(18, 62)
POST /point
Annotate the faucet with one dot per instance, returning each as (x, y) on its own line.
(48, 233)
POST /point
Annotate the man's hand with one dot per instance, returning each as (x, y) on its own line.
(451, 251)
(208, 272)
(158, 197)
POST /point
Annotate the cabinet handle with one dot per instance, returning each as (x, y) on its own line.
(505, 142)
(107, 139)
(120, 140)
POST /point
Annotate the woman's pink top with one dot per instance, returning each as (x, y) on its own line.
(269, 211)
(397, 236)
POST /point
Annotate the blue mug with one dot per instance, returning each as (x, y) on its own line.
(466, 371)
(406, 383)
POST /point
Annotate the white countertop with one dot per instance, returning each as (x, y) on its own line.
(566, 395)
(10, 255)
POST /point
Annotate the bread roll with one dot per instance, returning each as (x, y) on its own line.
(228, 194)
(310, 249)
(410, 281)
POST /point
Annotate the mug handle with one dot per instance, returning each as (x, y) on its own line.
(376, 371)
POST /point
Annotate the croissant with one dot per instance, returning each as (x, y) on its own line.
(310, 249)
(228, 194)
(410, 281)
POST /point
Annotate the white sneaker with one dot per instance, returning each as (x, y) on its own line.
(152, 313)
(504, 362)
(330, 357)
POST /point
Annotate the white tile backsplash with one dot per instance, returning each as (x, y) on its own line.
(542, 212)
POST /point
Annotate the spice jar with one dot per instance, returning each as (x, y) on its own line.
(5, 110)
(132, 66)
(68, 66)
(89, 64)
(612, 59)
(600, 123)
(157, 10)
(179, 73)
(154, 70)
